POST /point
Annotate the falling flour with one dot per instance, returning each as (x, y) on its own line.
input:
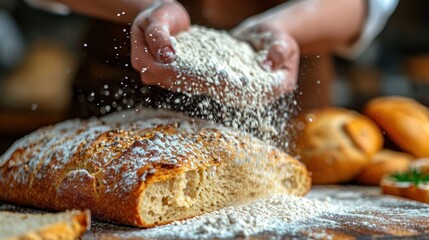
(230, 73)
(226, 69)
(273, 214)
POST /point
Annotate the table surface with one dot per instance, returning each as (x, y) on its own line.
(373, 216)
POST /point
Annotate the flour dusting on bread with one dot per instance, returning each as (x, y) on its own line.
(145, 172)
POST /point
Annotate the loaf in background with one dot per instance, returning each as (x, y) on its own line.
(336, 144)
(405, 121)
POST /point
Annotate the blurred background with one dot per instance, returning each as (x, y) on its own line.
(55, 66)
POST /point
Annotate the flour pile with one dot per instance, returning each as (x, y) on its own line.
(274, 214)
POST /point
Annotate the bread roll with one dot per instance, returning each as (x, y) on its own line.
(405, 121)
(53, 226)
(336, 144)
(384, 163)
(141, 169)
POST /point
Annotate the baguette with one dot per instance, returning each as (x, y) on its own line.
(144, 168)
(65, 225)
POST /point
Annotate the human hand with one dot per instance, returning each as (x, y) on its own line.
(283, 50)
(151, 47)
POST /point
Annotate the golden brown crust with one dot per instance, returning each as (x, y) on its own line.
(105, 167)
(335, 144)
(384, 163)
(405, 121)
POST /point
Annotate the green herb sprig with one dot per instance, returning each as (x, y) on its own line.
(414, 176)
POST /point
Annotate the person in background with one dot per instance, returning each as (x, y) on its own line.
(303, 27)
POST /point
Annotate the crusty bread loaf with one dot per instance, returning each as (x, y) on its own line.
(405, 121)
(143, 169)
(62, 226)
(335, 143)
(383, 163)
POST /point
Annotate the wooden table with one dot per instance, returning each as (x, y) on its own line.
(374, 216)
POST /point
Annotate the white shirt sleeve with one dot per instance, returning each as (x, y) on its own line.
(379, 12)
(51, 6)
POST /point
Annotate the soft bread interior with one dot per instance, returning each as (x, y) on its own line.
(67, 225)
(195, 192)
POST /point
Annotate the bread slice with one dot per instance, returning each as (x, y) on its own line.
(65, 225)
(144, 168)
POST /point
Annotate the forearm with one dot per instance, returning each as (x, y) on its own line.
(119, 11)
(322, 25)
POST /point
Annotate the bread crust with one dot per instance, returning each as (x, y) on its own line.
(106, 165)
(383, 163)
(405, 121)
(335, 143)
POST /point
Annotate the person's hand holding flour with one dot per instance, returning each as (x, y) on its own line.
(306, 27)
(282, 50)
(151, 46)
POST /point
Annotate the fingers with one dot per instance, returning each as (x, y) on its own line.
(151, 46)
(158, 38)
(283, 55)
(158, 24)
(258, 36)
(139, 49)
(279, 53)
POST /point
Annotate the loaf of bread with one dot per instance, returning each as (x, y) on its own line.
(405, 121)
(383, 163)
(144, 168)
(335, 143)
(53, 226)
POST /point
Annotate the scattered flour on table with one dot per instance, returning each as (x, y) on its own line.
(317, 216)
(274, 214)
